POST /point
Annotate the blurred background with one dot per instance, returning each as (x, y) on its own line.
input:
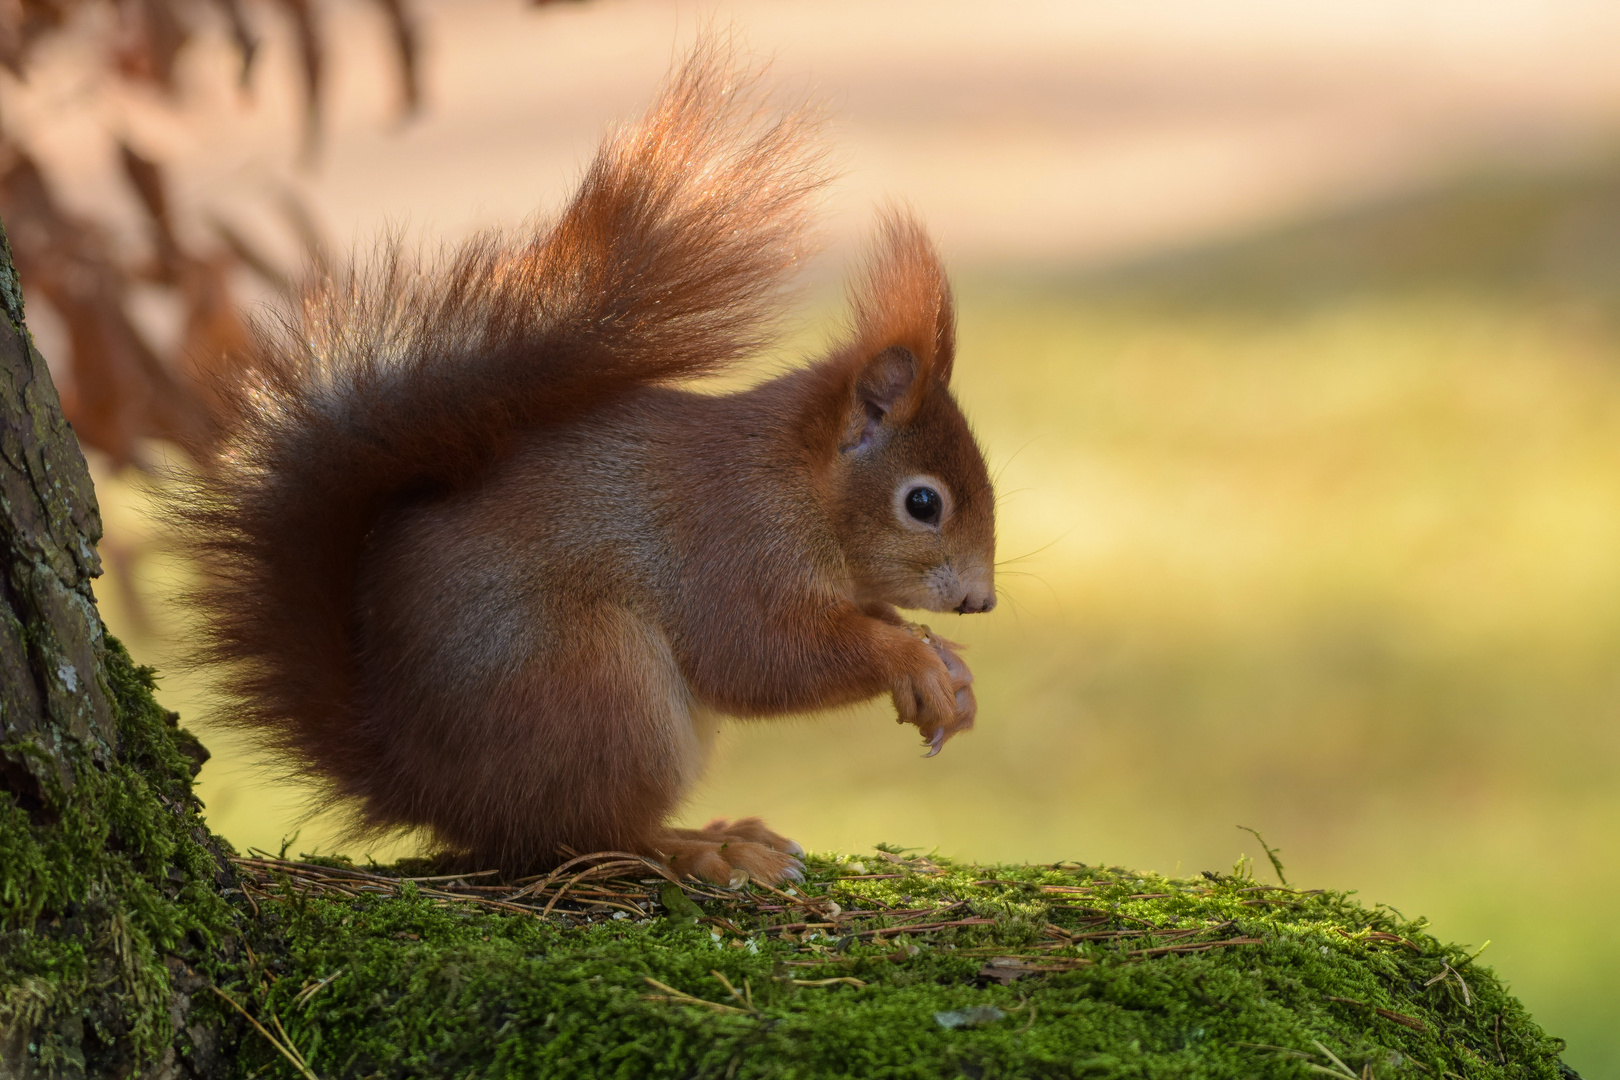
(1292, 331)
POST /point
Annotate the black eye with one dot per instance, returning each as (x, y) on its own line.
(925, 505)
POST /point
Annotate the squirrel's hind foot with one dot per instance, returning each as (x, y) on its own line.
(751, 829)
(732, 853)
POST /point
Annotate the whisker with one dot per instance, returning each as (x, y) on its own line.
(1063, 617)
(1018, 609)
(1001, 468)
(1031, 554)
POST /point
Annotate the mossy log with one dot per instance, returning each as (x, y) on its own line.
(135, 943)
(886, 967)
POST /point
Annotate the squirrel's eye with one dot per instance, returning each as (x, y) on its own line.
(924, 504)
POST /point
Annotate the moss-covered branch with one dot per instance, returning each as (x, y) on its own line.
(896, 968)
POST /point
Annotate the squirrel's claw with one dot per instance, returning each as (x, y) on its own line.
(937, 696)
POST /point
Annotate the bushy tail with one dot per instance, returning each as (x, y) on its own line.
(664, 266)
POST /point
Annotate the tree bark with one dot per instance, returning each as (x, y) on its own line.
(51, 640)
(110, 905)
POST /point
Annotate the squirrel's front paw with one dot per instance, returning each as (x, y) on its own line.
(938, 695)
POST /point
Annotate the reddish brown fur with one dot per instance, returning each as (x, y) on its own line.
(476, 565)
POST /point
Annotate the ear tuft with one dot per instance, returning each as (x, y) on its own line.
(903, 300)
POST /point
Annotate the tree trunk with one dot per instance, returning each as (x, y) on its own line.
(110, 906)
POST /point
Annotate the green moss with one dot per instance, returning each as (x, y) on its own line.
(416, 984)
(109, 888)
(112, 923)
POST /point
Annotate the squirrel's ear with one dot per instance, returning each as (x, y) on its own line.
(903, 301)
(883, 392)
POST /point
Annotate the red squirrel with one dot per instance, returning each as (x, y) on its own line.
(476, 564)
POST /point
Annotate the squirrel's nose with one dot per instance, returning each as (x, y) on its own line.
(973, 605)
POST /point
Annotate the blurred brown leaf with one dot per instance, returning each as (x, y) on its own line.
(312, 64)
(119, 390)
(242, 36)
(153, 33)
(407, 51)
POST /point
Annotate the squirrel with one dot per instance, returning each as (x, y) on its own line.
(473, 560)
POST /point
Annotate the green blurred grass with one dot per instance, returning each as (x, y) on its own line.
(1317, 532)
